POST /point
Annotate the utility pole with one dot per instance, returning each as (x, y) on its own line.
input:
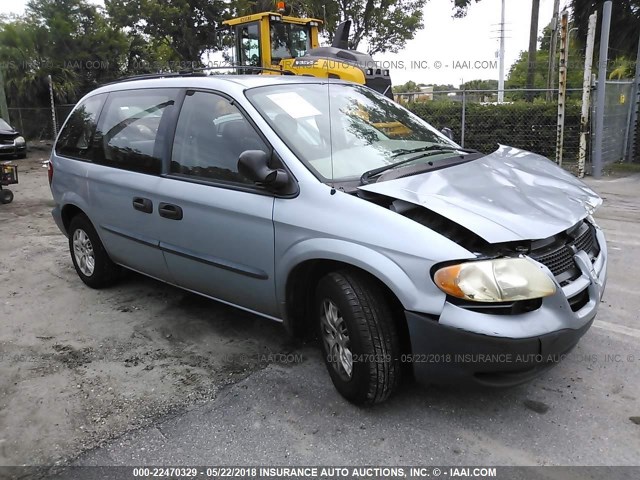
(533, 48)
(501, 57)
(4, 111)
(586, 94)
(602, 85)
(562, 84)
(551, 72)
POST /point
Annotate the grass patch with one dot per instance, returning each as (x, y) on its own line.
(624, 167)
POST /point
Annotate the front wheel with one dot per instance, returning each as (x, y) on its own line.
(359, 337)
(6, 196)
(90, 259)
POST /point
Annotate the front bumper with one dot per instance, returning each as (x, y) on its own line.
(506, 350)
(444, 354)
(12, 149)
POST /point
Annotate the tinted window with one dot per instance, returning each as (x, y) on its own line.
(210, 136)
(129, 129)
(76, 138)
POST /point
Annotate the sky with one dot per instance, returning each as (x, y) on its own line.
(448, 50)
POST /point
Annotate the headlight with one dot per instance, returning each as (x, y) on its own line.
(19, 141)
(500, 280)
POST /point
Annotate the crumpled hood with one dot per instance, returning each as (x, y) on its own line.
(506, 196)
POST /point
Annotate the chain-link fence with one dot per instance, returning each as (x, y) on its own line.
(617, 128)
(478, 121)
(36, 123)
(475, 117)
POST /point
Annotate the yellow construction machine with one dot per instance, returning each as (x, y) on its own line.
(273, 41)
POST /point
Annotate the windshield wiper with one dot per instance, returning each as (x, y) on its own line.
(436, 147)
(364, 179)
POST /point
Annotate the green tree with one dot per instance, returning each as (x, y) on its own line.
(384, 25)
(410, 86)
(67, 39)
(444, 88)
(625, 22)
(623, 35)
(622, 67)
(480, 85)
(460, 7)
(517, 77)
(186, 27)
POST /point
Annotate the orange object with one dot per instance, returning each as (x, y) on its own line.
(447, 279)
(280, 6)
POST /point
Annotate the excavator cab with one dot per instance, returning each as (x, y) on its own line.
(275, 41)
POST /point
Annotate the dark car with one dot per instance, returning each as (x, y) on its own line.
(11, 142)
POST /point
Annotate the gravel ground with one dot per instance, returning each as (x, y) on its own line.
(145, 373)
(80, 366)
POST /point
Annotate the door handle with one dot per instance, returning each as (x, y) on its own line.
(143, 204)
(170, 211)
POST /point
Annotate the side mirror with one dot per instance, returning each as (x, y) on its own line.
(254, 164)
(447, 132)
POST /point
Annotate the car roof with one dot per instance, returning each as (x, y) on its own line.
(222, 82)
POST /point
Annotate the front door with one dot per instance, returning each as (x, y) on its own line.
(217, 233)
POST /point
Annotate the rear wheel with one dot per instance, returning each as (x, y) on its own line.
(6, 196)
(90, 259)
(359, 336)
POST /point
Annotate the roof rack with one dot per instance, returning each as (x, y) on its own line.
(196, 72)
(242, 67)
(146, 76)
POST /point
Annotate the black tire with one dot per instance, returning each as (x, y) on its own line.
(372, 337)
(104, 273)
(6, 196)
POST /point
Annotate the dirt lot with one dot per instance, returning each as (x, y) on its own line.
(79, 366)
(191, 380)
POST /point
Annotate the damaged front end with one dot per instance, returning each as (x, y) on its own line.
(508, 207)
(505, 343)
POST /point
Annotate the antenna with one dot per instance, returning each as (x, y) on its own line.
(333, 191)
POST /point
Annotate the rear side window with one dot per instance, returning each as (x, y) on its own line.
(130, 129)
(76, 138)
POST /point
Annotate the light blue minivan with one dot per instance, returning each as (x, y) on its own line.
(325, 206)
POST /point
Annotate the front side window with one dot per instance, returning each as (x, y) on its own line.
(210, 136)
(76, 138)
(249, 44)
(341, 131)
(129, 129)
(288, 40)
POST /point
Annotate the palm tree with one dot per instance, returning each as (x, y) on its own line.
(625, 18)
